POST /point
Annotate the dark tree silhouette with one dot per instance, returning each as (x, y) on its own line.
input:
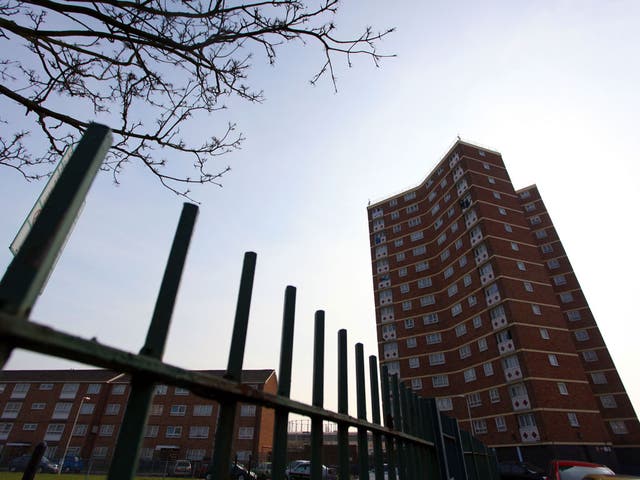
(163, 59)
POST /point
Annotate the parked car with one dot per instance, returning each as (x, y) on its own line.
(597, 476)
(520, 471)
(182, 468)
(302, 471)
(72, 463)
(19, 464)
(240, 472)
(576, 469)
(263, 471)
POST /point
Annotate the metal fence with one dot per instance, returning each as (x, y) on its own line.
(416, 441)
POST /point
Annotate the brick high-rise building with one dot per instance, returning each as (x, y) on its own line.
(477, 303)
(44, 405)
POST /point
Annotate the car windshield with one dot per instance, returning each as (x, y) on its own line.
(576, 472)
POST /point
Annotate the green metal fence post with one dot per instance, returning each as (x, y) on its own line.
(363, 444)
(28, 271)
(279, 456)
(441, 452)
(318, 396)
(219, 468)
(387, 411)
(410, 451)
(125, 457)
(399, 425)
(343, 407)
(375, 417)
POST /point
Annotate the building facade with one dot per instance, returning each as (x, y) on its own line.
(85, 408)
(477, 305)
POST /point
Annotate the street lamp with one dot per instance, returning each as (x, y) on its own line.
(73, 427)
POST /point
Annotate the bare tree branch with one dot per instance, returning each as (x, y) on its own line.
(128, 61)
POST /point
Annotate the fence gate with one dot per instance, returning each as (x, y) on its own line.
(416, 441)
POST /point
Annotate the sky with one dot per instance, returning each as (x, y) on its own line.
(553, 86)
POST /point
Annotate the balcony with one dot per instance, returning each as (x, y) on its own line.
(506, 347)
(512, 374)
(529, 434)
(521, 402)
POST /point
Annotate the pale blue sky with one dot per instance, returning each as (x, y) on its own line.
(553, 86)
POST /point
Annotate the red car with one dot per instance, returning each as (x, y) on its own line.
(575, 469)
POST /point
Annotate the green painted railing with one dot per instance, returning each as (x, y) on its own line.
(416, 441)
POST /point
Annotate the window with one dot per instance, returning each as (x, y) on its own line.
(198, 431)
(416, 236)
(544, 334)
(448, 272)
(618, 427)
(573, 419)
(46, 386)
(573, 315)
(590, 356)
(404, 288)
(436, 358)
(452, 290)
(93, 388)
(444, 255)
(118, 389)
(402, 272)
(553, 359)
(541, 234)
(106, 430)
(422, 266)
(437, 224)
(245, 433)
(553, 264)
(38, 406)
(61, 410)
(406, 305)
(421, 250)
(442, 238)
(435, 209)
(535, 220)
(393, 202)
(547, 248)
(470, 375)
(488, 369)
(100, 452)
(463, 261)
(151, 431)
(581, 335)
(454, 228)
(494, 395)
(156, 410)
(458, 244)
(398, 242)
(430, 319)
(87, 408)
(467, 280)
(461, 330)
(528, 287)
(409, 323)
(412, 208)
(508, 228)
(479, 427)
(464, 351)
(497, 195)
(474, 399)
(501, 424)
(29, 427)
(424, 282)
(482, 344)
(608, 401)
(400, 256)
(514, 246)
(414, 362)
(173, 431)
(599, 378)
(112, 409)
(20, 390)
(444, 404)
(427, 300)
(536, 309)
(414, 222)
(11, 409)
(477, 321)
(396, 228)
(502, 211)
(5, 429)
(248, 411)
(456, 309)
(521, 266)
(526, 194)
(559, 280)
(491, 180)
(416, 384)
(440, 381)
(407, 197)
(566, 297)
(178, 410)
(527, 420)
(434, 338)
(472, 300)
(447, 197)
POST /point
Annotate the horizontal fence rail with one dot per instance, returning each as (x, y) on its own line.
(416, 440)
